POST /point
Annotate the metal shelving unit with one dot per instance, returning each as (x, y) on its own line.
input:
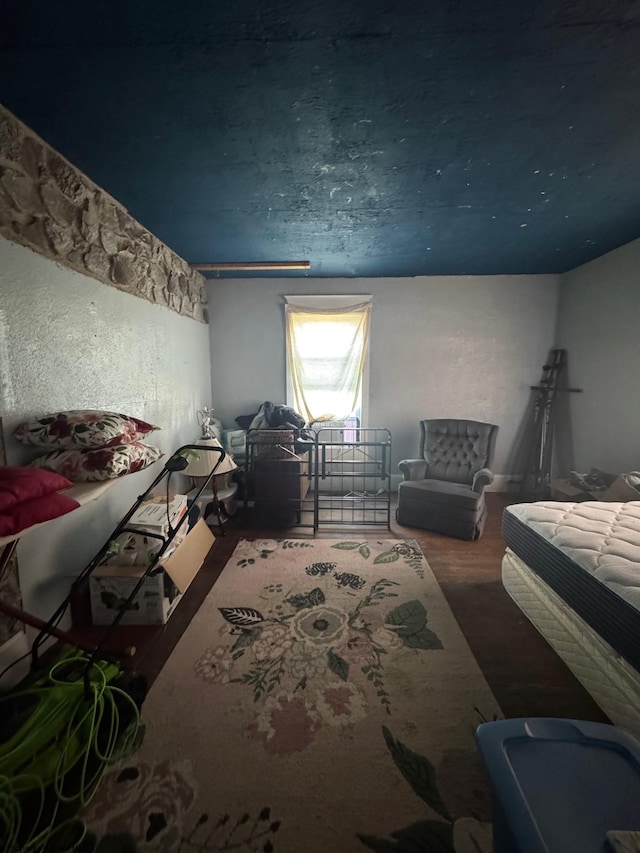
(178, 462)
(352, 478)
(342, 479)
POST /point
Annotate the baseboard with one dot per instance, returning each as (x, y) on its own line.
(505, 483)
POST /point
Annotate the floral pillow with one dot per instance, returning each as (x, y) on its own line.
(83, 428)
(105, 463)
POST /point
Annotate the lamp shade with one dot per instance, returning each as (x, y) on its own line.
(207, 461)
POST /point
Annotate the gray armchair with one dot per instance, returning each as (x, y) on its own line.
(444, 489)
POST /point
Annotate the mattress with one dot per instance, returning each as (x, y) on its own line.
(589, 554)
(613, 683)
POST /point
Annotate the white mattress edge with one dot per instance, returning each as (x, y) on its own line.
(612, 682)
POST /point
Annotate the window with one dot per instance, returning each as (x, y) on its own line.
(327, 353)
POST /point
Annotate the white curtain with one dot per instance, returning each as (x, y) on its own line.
(326, 350)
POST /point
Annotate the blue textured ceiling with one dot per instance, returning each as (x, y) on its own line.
(370, 137)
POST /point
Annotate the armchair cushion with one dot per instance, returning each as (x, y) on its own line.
(439, 492)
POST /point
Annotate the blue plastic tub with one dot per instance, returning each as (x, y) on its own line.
(558, 786)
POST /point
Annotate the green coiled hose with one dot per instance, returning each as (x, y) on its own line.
(75, 728)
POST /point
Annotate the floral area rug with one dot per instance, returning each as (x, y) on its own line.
(323, 700)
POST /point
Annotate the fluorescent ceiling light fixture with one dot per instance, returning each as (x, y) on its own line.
(250, 266)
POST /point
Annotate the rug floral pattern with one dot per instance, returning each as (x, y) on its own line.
(321, 687)
(314, 654)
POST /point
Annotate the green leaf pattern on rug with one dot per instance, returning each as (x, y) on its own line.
(338, 665)
(264, 677)
(419, 773)
(306, 599)
(444, 835)
(245, 639)
(249, 551)
(408, 550)
(412, 555)
(245, 833)
(349, 546)
(244, 616)
(409, 621)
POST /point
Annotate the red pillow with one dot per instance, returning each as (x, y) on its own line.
(22, 484)
(35, 511)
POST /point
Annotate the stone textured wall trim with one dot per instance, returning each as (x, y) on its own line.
(50, 206)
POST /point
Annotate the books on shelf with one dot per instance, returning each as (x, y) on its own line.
(156, 515)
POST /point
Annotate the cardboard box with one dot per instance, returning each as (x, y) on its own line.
(562, 490)
(157, 598)
(617, 490)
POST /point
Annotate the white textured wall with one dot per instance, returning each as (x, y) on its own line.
(598, 325)
(69, 342)
(465, 347)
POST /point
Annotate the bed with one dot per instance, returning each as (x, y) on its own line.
(574, 570)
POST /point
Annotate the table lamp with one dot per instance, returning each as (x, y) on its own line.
(203, 462)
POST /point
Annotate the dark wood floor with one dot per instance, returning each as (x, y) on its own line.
(525, 674)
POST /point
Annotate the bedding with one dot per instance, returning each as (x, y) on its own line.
(574, 570)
